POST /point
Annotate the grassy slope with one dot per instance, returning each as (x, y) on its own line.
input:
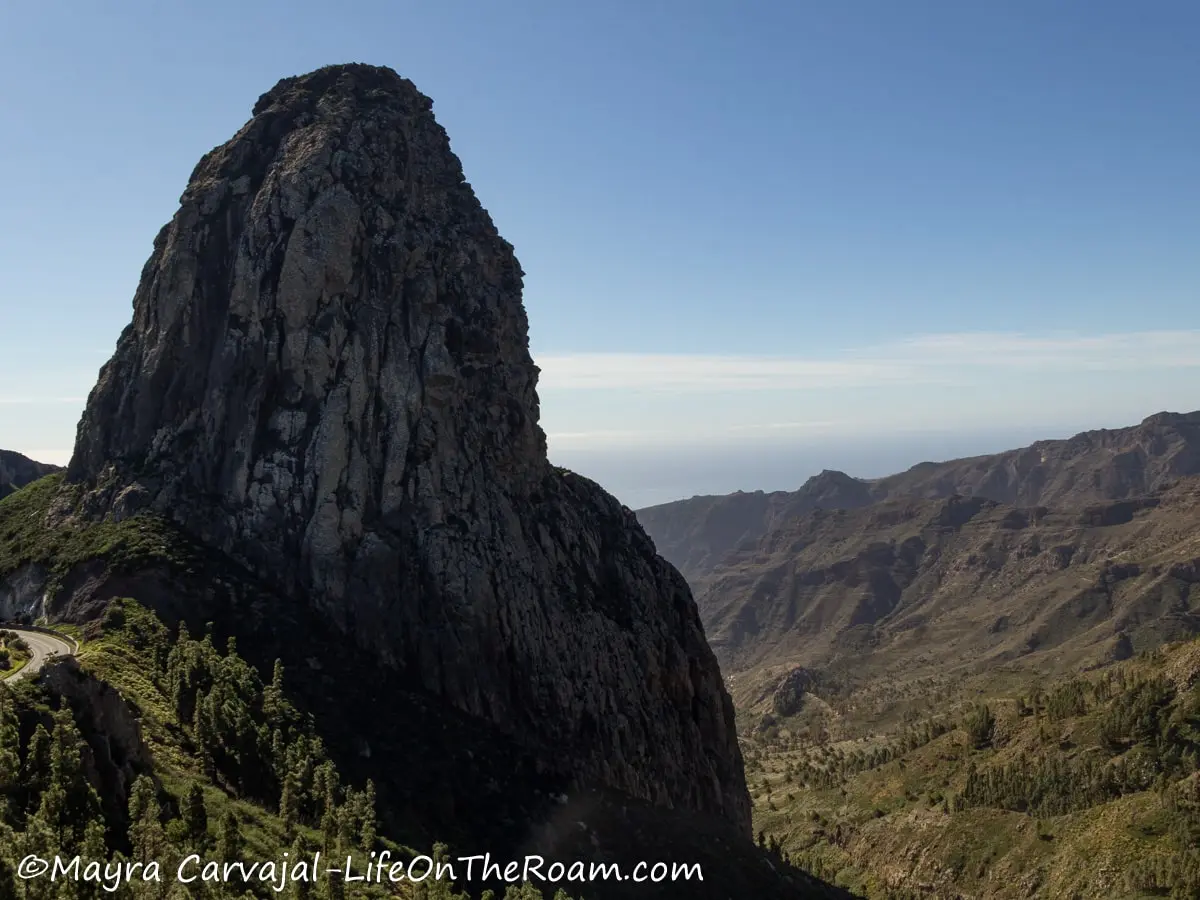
(112, 658)
(894, 829)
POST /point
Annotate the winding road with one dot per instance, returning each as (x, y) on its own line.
(44, 648)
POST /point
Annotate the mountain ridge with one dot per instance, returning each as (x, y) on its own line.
(959, 582)
(18, 470)
(1091, 466)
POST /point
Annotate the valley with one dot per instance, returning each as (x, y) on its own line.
(1000, 786)
(975, 679)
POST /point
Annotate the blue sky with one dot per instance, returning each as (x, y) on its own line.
(760, 237)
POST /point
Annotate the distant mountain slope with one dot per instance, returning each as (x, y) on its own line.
(1092, 467)
(16, 471)
(695, 535)
(908, 583)
(1108, 464)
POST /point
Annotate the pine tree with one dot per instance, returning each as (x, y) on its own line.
(52, 816)
(195, 817)
(273, 695)
(329, 823)
(288, 804)
(10, 755)
(204, 733)
(36, 771)
(980, 725)
(367, 822)
(229, 839)
(145, 821)
(94, 849)
(301, 849)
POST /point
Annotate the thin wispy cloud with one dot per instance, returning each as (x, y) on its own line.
(624, 371)
(565, 440)
(1109, 352)
(924, 359)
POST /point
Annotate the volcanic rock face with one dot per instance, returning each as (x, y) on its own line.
(327, 377)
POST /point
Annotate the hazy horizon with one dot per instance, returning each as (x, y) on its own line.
(650, 476)
(654, 479)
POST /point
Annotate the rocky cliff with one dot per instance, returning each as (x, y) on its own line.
(16, 471)
(327, 377)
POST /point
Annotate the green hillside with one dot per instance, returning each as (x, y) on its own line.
(999, 788)
(236, 774)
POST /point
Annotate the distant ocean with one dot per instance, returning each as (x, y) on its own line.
(649, 476)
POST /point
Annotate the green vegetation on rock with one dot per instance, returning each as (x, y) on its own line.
(232, 771)
(138, 540)
(14, 653)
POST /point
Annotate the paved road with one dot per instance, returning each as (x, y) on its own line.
(44, 648)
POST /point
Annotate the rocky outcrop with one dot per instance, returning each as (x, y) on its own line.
(111, 729)
(327, 377)
(1120, 649)
(23, 593)
(16, 471)
(788, 697)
